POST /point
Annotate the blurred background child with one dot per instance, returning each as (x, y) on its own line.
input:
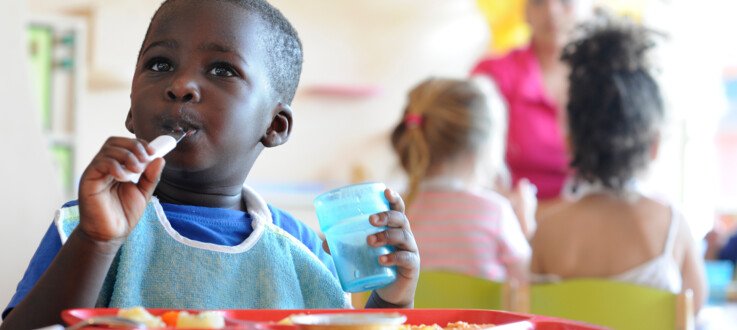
(611, 230)
(533, 81)
(721, 247)
(443, 142)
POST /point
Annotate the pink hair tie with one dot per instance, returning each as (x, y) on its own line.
(412, 120)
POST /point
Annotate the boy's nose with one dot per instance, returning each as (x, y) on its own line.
(183, 91)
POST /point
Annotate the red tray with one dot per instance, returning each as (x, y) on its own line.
(414, 316)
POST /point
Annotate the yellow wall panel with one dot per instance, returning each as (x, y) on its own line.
(507, 23)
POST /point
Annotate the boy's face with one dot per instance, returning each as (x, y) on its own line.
(203, 68)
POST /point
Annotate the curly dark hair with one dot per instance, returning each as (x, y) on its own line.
(615, 107)
(284, 53)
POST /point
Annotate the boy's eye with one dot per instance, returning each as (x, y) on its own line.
(222, 70)
(160, 66)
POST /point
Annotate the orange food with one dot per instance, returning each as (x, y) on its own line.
(170, 318)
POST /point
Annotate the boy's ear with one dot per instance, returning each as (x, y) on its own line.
(129, 122)
(280, 128)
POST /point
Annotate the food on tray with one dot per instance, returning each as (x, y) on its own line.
(288, 320)
(349, 321)
(140, 314)
(369, 321)
(202, 320)
(215, 320)
(175, 319)
(460, 325)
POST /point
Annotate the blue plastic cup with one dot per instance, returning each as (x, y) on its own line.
(343, 214)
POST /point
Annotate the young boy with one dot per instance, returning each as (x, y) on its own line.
(223, 71)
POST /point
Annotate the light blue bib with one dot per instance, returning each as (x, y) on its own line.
(158, 268)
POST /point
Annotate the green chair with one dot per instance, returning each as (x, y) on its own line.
(613, 304)
(443, 289)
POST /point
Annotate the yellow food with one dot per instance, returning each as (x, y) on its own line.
(460, 325)
(421, 327)
(140, 314)
(174, 319)
(287, 320)
(202, 320)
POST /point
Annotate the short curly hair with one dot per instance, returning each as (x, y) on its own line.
(284, 56)
(615, 107)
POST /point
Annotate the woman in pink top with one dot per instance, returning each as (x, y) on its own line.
(443, 143)
(533, 82)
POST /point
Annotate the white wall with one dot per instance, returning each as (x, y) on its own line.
(387, 45)
(691, 63)
(29, 193)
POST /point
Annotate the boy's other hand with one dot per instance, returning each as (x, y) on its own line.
(109, 209)
(405, 256)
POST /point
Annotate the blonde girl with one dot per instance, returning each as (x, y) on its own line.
(448, 142)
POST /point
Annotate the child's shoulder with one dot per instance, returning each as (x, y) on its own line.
(481, 200)
(287, 221)
(490, 197)
(559, 219)
(295, 227)
(292, 226)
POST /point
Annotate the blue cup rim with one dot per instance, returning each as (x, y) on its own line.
(348, 187)
(342, 202)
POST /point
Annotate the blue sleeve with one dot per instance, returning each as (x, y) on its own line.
(729, 251)
(304, 234)
(47, 250)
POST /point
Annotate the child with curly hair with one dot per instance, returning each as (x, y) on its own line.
(615, 113)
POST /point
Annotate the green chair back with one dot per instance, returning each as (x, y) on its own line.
(612, 304)
(442, 289)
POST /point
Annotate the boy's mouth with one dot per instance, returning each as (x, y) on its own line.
(182, 123)
(184, 131)
(180, 134)
(187, 128)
